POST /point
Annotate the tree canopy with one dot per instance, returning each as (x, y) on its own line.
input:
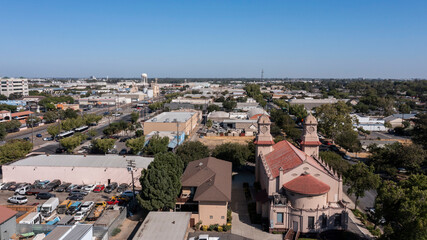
(136, 144)
(70, 143)
(192, 150)
(102, 145)
(360, 178)
(404, 208)
(334, 119)
(157, 145)
(236, 153)
(14, 149)
(420, 130)
(161, 182)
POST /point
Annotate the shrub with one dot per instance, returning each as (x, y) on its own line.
(197, 226)
(205, 228)
(115, 231)
(212, 227)
(226, 227)
(219, 228)
(229, 217)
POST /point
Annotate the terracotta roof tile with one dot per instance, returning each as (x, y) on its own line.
(6, 213)
(307, 184)
(287, 156)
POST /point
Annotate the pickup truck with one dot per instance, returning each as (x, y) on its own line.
(204, 237)
(96, 211)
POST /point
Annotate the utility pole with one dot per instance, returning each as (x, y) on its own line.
(131, 166)
(32, 129)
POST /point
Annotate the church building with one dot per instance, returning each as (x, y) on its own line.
(298, 190)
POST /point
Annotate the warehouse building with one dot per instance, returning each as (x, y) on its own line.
(171, 121)
(76, 169)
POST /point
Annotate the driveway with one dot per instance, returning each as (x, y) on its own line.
(241, 224)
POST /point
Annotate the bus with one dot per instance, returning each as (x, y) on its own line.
(65, 134)
(81, 129)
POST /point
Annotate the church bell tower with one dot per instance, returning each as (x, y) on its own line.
(310, 140)
(263, 143)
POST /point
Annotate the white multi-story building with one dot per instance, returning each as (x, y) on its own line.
(14, 85)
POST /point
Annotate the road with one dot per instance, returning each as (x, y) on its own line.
(367, 201)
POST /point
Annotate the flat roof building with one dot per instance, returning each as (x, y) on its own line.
(76, 169)
(173, 121)
(164, 225)
(14, 86)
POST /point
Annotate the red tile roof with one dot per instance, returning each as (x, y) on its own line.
(287, 156)
(307, 185)
(23, 113)
(6, 214)
(263, 142)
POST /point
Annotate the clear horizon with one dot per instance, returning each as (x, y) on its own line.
(221, 39)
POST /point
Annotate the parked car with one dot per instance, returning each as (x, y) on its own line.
(110, 187)
(123, 151)
(113, 200)
(122, 187)
(15, 186)
(48, 139)
(7, 185)
(129, 194)
(39, 135)
(54, 184)
(79, 216)
(62, 187)
(18, 199)
(73, 208)
(26, 138)
(89, 188)
(71, 187)
(45, 195)
(99, 188)
(60, 150)
(78, 191)
(23, 190)
(76, 197)
(87, 206)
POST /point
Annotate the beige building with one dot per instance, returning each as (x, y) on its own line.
(173, 121)
(206, 191)
(299, 192)
(14, 85)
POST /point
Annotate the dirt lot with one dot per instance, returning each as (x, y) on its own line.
(212, 142)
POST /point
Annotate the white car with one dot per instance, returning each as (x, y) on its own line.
(1, 184)
(18, 199)
(89, 188)
(23, 190)
(87, 206)
(79, 216)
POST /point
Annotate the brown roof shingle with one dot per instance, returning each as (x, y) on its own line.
(211, 177)
(6, 213)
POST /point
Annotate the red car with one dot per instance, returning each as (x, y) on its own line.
(99, 188)
(113, 201)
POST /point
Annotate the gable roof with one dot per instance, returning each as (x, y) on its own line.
(6, 214)
(211, 177)
(287, 156)
(307, 185)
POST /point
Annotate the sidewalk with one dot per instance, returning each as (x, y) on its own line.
(354, 224)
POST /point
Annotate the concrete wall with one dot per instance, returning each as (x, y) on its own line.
(218, 211)
(8, 228)
(75, 175)
(186, 127)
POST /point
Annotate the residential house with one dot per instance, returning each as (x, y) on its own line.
(206, 191)
(396, 120)
(298, 190)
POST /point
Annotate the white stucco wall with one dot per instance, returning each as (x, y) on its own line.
(75, 175)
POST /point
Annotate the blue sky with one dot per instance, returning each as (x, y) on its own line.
(300, 38)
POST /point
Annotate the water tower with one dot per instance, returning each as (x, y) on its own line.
(144, 78)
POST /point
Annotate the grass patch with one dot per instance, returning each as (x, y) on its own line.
(115, 231)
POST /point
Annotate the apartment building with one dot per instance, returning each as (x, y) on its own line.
(14, 85)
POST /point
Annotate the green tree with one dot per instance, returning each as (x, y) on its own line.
(70, 143)
(360, 178)
(7, 107)
(404, 208)
(14, 149)
(420, 130)
(91, 118)
(335, 161)
(53, 130)
(157, 145)
(11, 125)
(236, 153)
(349, 140)
(139, 133)
(71, 113)
(161, 182)
(91, 133)
(229, 105)
(134, 116)
(32, 121)
(298, 110)
(136, 144)
(334, 119)
(3, 133)
(102, 145)
(190, 151)
(50, 116)
(213, 107)
(209, 123)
